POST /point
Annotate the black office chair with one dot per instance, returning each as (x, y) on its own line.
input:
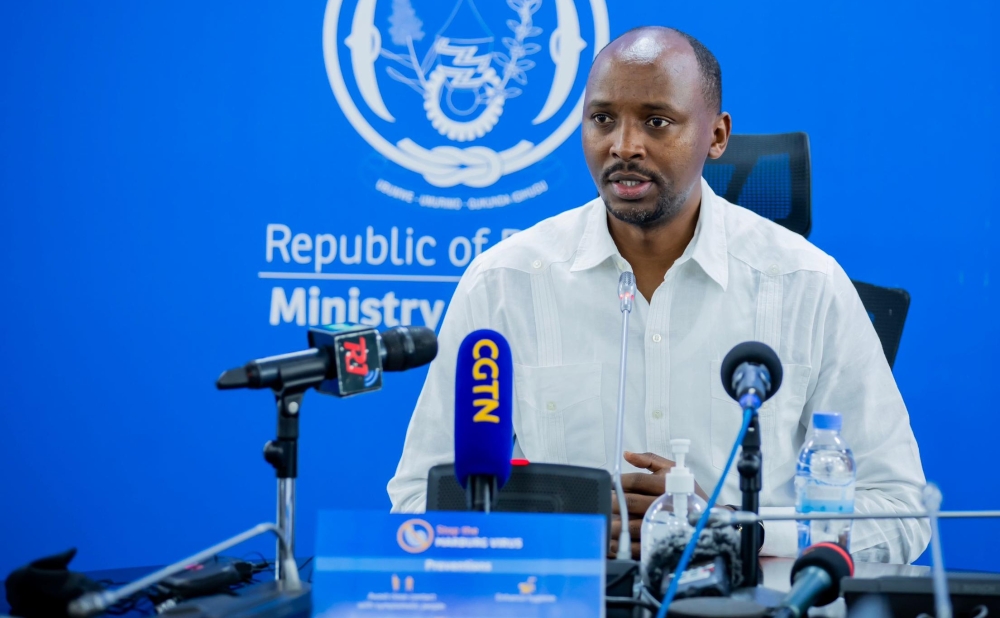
(769, 174)
(887, 308)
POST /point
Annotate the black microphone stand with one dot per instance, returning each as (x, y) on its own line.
(481, 493)
(750, 465)
(283, 454)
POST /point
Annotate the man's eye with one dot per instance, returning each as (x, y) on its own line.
(602, 118)
(658, 123)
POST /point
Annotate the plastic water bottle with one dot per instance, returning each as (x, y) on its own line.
(824, 483)
(667, 517)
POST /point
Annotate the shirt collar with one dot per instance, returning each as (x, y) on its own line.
(708, 247)
(596, 244)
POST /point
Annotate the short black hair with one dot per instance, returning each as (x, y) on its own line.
(708, 64)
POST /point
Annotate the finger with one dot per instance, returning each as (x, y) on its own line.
(643, 483)
(613, 550)
(634, 503)
(649, 461)
(638, 504)
(634, 528)
(700, 492)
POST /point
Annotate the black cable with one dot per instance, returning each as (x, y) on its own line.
(264, 566)
(263, 559)
(614, 582)
(303, 565)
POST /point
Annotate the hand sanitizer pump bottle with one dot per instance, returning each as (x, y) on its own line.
(667, 517)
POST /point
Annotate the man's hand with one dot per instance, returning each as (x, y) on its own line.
(641, 490)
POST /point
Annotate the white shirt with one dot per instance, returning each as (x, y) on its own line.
(551, 291)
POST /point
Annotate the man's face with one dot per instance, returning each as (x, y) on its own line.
(647, 128)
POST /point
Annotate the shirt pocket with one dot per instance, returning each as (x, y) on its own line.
(778, 417)
(559, 417)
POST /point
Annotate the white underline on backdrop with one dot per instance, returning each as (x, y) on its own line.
(360, 277)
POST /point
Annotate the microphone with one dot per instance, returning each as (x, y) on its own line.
(751, 373)
(484, 428)
(816, 579)
(715, 568)
(342, 360)
(626, 297)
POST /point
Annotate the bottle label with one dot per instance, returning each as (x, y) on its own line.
(826, 506)
(831, 490)
(815, 496)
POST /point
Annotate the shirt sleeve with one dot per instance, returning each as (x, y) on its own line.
(430, 437)
(781, 538)
(855, 379)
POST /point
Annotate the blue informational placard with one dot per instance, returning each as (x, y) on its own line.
(372, 563)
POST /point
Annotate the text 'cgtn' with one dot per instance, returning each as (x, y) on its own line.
(486, 371)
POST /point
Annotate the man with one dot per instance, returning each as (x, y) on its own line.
(710, 275)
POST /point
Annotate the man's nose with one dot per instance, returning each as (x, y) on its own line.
(628, 144)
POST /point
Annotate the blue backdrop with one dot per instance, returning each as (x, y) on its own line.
(176, 177)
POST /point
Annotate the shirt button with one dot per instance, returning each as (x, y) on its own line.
(657, 414)
(537, 263)
(551, 405)
(657, 338)
(773, 269)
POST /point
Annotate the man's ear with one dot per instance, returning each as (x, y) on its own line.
(720, 135)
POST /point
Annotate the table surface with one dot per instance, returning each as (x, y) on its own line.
(777, 571)
(776, 576)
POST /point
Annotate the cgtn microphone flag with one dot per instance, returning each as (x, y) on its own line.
(484, 428)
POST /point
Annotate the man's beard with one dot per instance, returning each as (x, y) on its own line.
(668, 204)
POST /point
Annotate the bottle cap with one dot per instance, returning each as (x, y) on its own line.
(827, 421)
(680, 480)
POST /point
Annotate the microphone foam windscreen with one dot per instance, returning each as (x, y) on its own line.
(407, 347)
(666, 554)
(751, 352)
(484, 429)
(833, 559)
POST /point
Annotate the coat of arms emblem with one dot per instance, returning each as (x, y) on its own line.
(458, 93)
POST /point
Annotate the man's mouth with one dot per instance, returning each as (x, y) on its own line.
(630, 186)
